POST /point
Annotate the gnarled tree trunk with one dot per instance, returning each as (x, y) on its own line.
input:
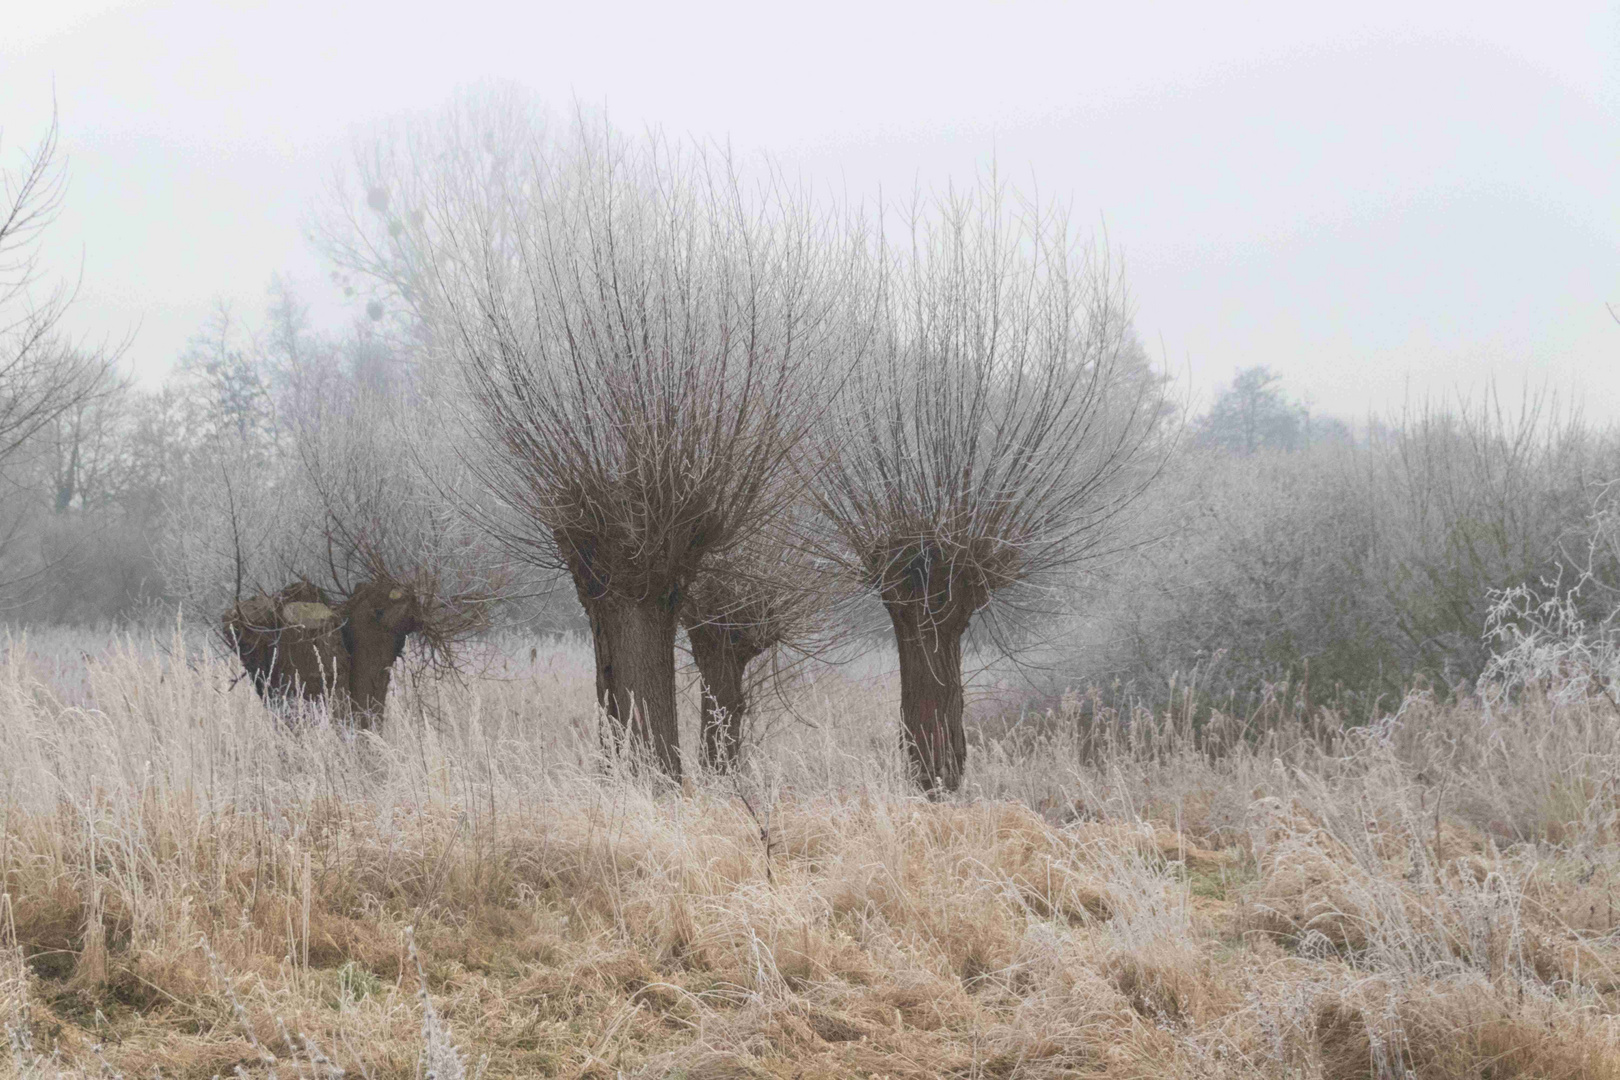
(290, 646)
(377, 618)
(930, 647)
(635, 672)
(372, 657)
(722, 654)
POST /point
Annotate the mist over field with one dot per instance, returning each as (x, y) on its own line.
(1002, 541)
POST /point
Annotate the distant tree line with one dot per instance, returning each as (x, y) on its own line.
(1253, 414)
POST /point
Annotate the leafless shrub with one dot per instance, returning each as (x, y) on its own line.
(1478, 497)
(1268, 583)
(1339, 576)
(1558, 636)
(994, 438)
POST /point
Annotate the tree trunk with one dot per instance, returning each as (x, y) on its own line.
(722, 658)
(373, 654)
(635, 673)
(931, 695)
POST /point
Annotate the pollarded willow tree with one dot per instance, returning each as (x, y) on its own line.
(751, 618)
(1003, 425)
(646, 340)
(372, 466)
(338, 506)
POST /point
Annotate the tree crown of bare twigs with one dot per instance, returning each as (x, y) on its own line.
(646, 340)
(1000, 426)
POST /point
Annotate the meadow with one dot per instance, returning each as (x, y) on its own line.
(191, 888)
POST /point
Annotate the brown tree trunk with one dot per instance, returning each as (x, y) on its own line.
(931, 695)
(372, 657)
(635, 673)
(722, 658)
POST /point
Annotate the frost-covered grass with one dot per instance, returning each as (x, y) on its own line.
(191, 887)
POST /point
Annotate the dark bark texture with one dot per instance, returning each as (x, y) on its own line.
(295, 645)
(377, 618)
(635, 674)
(633, 638)
(931, 697)
(931, 604)
(289, 644)
(722, 654)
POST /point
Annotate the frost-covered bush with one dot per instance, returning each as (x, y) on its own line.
(1345, 575)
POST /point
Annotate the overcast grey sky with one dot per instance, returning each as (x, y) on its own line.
(1382, 200)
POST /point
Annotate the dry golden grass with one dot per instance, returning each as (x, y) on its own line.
(194, 889)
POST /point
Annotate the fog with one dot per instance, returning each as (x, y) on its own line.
(485, 581)
(1378, 204)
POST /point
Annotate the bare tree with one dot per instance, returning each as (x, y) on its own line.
(993, 440)
(42, 374)
(85, 453)
(375, 227)
(1252, 414)
(646, 340)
